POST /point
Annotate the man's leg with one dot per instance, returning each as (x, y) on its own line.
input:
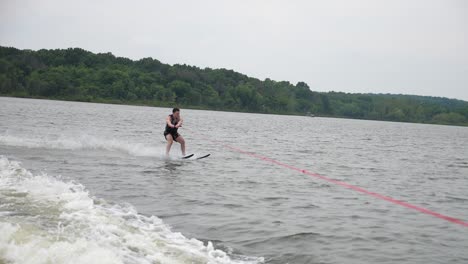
(181, 140)
(169, 143)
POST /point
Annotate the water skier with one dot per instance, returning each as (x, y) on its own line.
(173, 122)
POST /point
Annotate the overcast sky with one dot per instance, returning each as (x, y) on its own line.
(408, 46)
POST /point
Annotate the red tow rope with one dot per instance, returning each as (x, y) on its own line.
(346, 185)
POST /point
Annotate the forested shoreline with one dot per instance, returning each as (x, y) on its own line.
(78, 75)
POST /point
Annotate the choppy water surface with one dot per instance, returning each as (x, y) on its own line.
(89, 183)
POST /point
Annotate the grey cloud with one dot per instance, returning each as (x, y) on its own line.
(414, 47)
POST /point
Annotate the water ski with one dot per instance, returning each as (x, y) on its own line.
(202, 157)
(188, 156)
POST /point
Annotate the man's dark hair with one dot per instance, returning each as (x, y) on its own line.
(175, 110)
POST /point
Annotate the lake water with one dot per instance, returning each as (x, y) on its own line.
(89, 183)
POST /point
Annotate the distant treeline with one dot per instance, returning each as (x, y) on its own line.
(79, 75)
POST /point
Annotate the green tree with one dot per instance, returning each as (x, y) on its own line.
(181, 90)
(77, 74)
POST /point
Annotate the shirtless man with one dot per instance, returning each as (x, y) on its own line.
(173, 122)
